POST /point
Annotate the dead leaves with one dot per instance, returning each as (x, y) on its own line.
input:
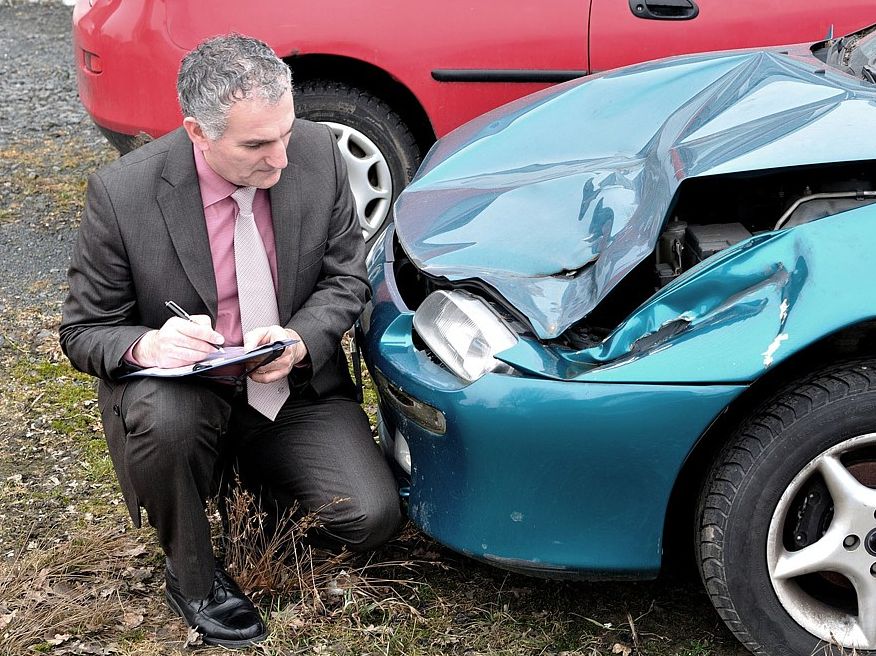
(194, 638)
(6, 617)
(66, 596)
(59, 639)
(132, 619)
(136, 576)
(134, 552)
(74, 647)
(619, 648)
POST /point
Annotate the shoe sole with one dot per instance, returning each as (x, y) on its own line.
(233, 644)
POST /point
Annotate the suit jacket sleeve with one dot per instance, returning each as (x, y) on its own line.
(100, 317)
(339, 295)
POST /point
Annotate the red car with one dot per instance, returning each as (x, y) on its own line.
(391, 76)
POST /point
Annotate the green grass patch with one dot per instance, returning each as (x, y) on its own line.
(67, 400)
(66, 396)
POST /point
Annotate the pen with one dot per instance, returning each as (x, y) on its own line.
(182, 314)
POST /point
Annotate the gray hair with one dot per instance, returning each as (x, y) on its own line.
(224, 70)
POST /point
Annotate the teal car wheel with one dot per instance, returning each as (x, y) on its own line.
(787, 532)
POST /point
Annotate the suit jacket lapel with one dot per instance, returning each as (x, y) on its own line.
(183, 212)
(285, 211)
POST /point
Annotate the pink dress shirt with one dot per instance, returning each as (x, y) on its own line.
(220, 211)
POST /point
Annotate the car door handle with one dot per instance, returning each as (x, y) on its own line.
(664, 9)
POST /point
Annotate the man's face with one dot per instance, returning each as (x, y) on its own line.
(252, 150)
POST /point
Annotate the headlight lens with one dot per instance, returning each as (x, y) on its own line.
(464, 332)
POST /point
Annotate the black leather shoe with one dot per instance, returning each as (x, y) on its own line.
(225, 617)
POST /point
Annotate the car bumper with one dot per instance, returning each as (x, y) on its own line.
(557, 478)
(126, 66)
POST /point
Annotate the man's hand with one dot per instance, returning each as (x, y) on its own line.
(280, 367)
(178, 343)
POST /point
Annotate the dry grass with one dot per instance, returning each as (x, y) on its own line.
(100, 591)
(278, 568)
(266, 562)
(52, 593)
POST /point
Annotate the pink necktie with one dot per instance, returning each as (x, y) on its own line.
(257, 298)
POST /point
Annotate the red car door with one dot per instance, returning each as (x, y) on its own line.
(624, 32)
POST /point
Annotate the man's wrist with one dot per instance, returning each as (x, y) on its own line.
(301, 355)
(141, 350)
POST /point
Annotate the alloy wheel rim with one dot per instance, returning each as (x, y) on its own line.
(370, 179)
(841, 560)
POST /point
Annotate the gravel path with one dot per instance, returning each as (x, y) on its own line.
(41, 124)
(39, 82)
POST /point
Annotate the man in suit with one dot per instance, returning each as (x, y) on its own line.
(163, 223)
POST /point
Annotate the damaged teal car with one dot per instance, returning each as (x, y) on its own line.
(634, 313)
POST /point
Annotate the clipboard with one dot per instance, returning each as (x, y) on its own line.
(231, 355)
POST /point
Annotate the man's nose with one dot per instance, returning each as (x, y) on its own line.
(277, 156)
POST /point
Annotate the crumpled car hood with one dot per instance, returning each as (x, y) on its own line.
(553, 199)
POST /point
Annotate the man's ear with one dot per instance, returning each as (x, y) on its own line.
(196, 134)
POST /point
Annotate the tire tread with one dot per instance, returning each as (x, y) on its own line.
(400, 129)
(740, 455)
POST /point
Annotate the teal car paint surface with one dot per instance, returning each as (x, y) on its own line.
(644, 301)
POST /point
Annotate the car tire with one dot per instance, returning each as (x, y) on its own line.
(379, 149)
(787, 505)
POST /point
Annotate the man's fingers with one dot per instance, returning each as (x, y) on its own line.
(280, 367)
(195, 344)
(254, 338)
(276, 369)
(264, 335)
(269, 375)
(199, 329)
(202, 319)
(180, 341)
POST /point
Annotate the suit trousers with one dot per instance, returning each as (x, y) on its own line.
(182, 434)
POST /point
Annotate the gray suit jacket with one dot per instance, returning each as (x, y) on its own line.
(143, 240)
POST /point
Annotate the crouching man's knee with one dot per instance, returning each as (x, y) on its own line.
(363, 524)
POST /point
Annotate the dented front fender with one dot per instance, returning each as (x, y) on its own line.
(739, 313)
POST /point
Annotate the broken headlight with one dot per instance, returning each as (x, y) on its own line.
(463, 332)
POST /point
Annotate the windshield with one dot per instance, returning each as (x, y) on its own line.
(854, 54)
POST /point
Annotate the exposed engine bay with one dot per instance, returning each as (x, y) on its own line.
(686, 240)
(854, 54)
(711, 214)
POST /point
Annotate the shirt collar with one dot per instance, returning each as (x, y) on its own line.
(213, 186)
